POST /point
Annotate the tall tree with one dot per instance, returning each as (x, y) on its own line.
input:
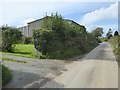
(109, 34)
(116, 33)
(97, 32)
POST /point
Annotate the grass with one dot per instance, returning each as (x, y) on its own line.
(114, 43)
(116, 49)
(103, 39)
(13, 60)
(25, 50)
(6, 75)
(0, 76)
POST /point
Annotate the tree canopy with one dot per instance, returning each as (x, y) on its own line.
(10, 36)
(97, 32)
(109, 34)
(116, 33)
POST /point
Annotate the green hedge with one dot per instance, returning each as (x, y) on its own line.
(60, 39)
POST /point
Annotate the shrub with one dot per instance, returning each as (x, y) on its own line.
(27, 40)
(62, 39)
(40, 55)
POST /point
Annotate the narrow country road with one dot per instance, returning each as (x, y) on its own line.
(98, 69)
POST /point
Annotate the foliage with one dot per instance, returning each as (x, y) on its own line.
(116, 33)
(10, 36)
(40, 55)
(60, 38)
(6, 75)
(103, 39)
(97, 32)
(109, 34)
(52, 23)
(27, 40)
(114, 41)
(41, 39)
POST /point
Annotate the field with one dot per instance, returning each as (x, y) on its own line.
(25, 50)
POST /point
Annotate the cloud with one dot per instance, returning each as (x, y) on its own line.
(101, 14)
(18, 12)
(27, 20)
(24, 22)
(22, 12)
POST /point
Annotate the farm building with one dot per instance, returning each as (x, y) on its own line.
(34, 25)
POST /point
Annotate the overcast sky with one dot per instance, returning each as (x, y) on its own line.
(90, 14)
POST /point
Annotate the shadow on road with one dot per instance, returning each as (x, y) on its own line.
(28, 80)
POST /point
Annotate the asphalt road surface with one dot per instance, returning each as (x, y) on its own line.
(98, 69)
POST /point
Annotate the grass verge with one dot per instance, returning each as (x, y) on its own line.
(13, 60)
(116, 49)
(6, 75)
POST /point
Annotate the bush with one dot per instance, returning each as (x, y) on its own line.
(6, 75)
(40, 55)
(62, 39)
(27, 40)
